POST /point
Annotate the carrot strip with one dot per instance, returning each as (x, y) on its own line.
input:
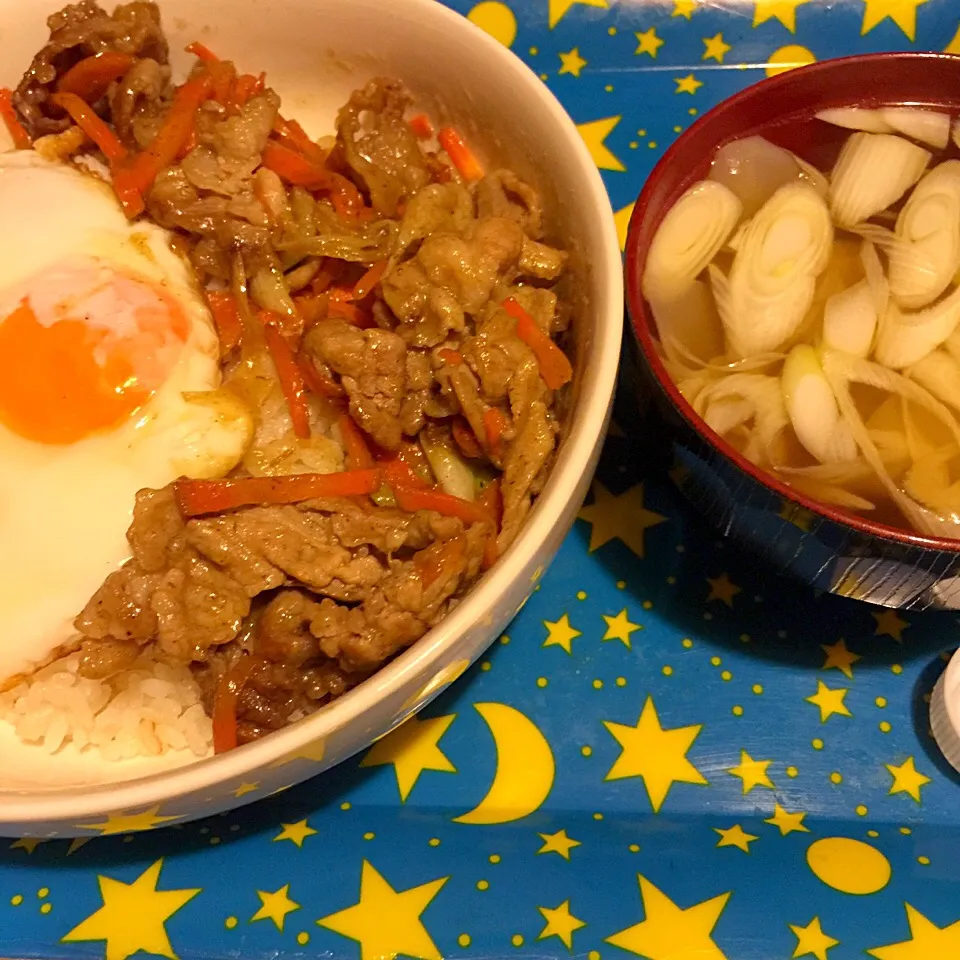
(225, 701)
(555, 368)
(192, 141)
(21, 139)
(355, 444)
(491, 500)
(421, 126)
(364, 286)
(197, 497)
(90, 77)
(401, 466)
(289, 373)
(411, 500)
(222, 74)
(312, 308)
(202, 52)
(295, 168)
(351, 313)
(87, 120)
(134, 177)
(493, 424)
(454, 357)
(347, 199)
(245, 87)
(432, 562)
(297, 139)
(462, 156)
(465, 439)
(226, 318)
(317, 382)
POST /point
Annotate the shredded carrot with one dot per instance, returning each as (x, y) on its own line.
(462, 156)
(411, 500)
(364, 286)
(192, 141)
(421, 126)
(90, 77)
(347, 200)
(21, 139)
(223, 74)
(465, 439)
(226, 318)
(493, 424)
(134, 176)
(297, 139)
(312, 307)
(454, 357)
(295, 168)
(226, 698)
(555, 368)
(491, 500)
(197, 497)
(289, 373)
(404, 466)
(330, 271)
(439, 558)
(86, 119)
(202, 52)
(355, 444)
(342, 310)
(317, 382)
(245, 87)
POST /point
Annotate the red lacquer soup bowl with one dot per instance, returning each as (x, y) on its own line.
(827, 547)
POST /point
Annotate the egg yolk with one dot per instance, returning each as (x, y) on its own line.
(84, 347)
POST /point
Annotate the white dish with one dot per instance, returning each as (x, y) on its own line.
(315, 53)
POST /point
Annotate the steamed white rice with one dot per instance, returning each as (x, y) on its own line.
(145, 711)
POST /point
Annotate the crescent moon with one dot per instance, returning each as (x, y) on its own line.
(525, 767)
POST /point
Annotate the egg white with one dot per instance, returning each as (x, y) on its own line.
(64, 510)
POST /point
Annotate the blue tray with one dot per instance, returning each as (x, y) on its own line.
(733, 766)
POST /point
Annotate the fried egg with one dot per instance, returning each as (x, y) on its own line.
(107, 362)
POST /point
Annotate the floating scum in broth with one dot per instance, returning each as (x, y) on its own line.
(811, 315)
(365, 330)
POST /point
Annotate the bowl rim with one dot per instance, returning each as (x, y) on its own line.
(642, 323)
(588, 416)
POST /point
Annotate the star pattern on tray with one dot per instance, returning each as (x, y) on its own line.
(753, 773)
(715, 48)
(735, 836)
(889, 624)
(722, 589)
(829, 701)
(812, 941)
(655, 754)
(594, 134)
(927, 941)
(560, 922)
(648, 42)
(559, 843)
(907, 779)
(620, 628)
(561, 633)
(123, 822)
(902, 12)
(296, 833)
(783, 10)
(275, 906)
(622, 516)
(840, 658)
(411, 749)
(787, 822)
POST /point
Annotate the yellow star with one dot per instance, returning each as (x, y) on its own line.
(559, 8)
(133, 915)
(648, 42)
(313, 752)
(721, 588)
(275, 906)
(386, 922)
(787, 822)
(123, 822)
(620, 628)
(295, 832)
(752, 772)
(840, 657)
(812, 940)
(622, 516)
(76, 843)
(572, 62)
(558, 842)
(716, 49)
(244, 788)
(791, 512)
(622, 219)
(902, 12)
(658, 756)
(889, 625)
(412, 748)
(784, 10)
(684, 8)
(954, 45)
(560, 923)
(27, 843)
(560, 633)
(670, 933)
(927, 941)
(594, 134)
(736, 836)
(830, 701)
(907, 779)
(687, 84)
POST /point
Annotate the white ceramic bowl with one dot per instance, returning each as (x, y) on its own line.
(945, 712)
(315, 53)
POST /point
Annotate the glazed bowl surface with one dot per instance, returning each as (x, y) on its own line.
(827, 547)
(315, 52)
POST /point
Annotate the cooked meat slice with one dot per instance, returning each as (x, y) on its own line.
(540, 261)
(136, 105)
(497, 354)
(283, 631)
(502, 193)
(78, 31)
(380, 146)
(525, 459)
(104, 658)
(120, 609)
(372, 367)
(156, 531)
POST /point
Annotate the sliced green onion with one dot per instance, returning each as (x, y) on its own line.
(874, 170)
(927, 126)
(939, 373)
(850, 320)
(688, 238)
(906, 338)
